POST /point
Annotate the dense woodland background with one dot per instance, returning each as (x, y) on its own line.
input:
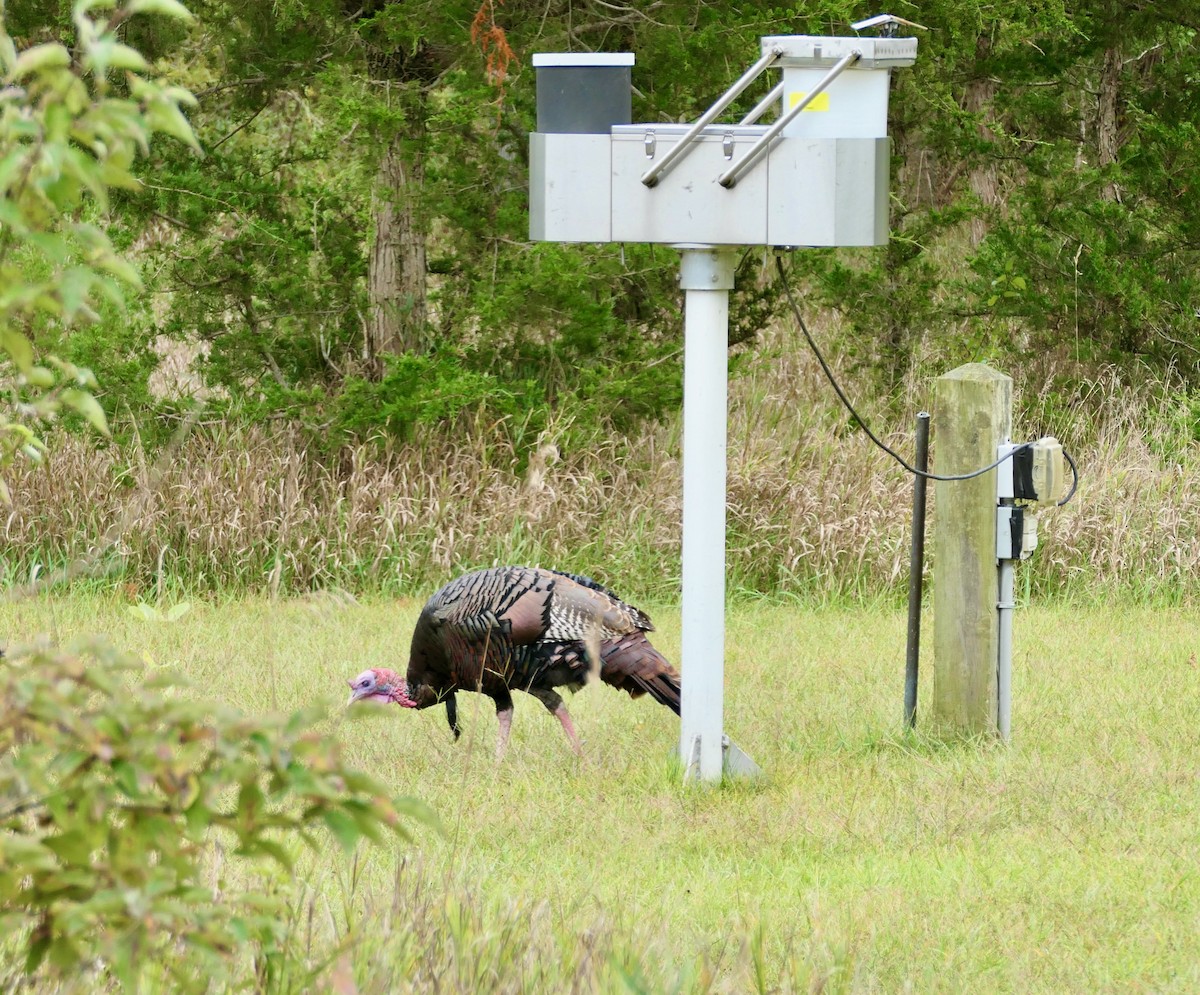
(343, 276)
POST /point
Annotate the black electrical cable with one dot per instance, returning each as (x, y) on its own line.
(1074, 479)
(867, 428)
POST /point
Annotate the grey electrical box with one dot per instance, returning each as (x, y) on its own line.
(1034, 472)
(817, 176)
(583, 93)
(1016, 533)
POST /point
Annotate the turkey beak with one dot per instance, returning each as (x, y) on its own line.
(353, 693)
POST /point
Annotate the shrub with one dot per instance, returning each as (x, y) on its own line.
(116, 789)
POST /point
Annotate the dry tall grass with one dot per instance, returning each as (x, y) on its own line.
(814, 510)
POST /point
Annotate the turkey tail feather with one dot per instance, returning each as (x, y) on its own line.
(665, 690)
(632, 664)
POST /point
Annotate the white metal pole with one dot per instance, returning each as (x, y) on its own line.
(706, 276)
(1006, 606)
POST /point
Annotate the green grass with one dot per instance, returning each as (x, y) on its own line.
(864, 860)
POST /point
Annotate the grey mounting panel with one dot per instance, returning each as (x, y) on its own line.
(820, 178)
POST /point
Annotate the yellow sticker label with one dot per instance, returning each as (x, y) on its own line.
(820, 101)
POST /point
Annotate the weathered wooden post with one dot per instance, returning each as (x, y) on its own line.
(972, 416)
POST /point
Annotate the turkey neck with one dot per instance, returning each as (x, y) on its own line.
(418, 696)
(429, 676)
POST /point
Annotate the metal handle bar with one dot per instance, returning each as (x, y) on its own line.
(728, 178)
(764, 105)
(685, 144)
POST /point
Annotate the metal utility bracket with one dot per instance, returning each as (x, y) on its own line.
(728, 178)
(735, 763)
(887, 24)
(685, 144)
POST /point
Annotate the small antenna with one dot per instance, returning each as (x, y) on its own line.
(887, 24)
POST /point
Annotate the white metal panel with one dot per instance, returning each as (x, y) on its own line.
(574, 59)
(802, 198)
(687, 204)
(863, 175)
(854, 106)
(570, 179)
(826, 192)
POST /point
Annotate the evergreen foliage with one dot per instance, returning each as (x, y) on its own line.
(117, 790)
(1043, 165)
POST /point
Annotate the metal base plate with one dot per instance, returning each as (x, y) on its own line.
(735, 762)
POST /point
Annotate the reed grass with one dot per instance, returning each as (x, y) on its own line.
(815, 512)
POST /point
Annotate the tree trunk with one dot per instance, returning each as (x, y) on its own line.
(396, 271)
(979, 99)
(1107, 137)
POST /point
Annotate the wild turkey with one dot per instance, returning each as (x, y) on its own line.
(519, 628)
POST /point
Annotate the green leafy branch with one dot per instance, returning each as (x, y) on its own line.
(70, 129)
(114, 789)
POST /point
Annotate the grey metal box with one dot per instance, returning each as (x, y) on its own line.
(583, 93)
(570, 184)
(687, 205)
(816, 192)
(822, 182)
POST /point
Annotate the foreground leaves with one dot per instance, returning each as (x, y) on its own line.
(70, 130)
(114, 792)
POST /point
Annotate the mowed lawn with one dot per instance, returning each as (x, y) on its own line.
(864, 859)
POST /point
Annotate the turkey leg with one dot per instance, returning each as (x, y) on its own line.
(564, 717)
(504, 711)
(504, 716)
(554, 705)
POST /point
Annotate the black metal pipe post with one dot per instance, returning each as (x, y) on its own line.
(916, 570)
